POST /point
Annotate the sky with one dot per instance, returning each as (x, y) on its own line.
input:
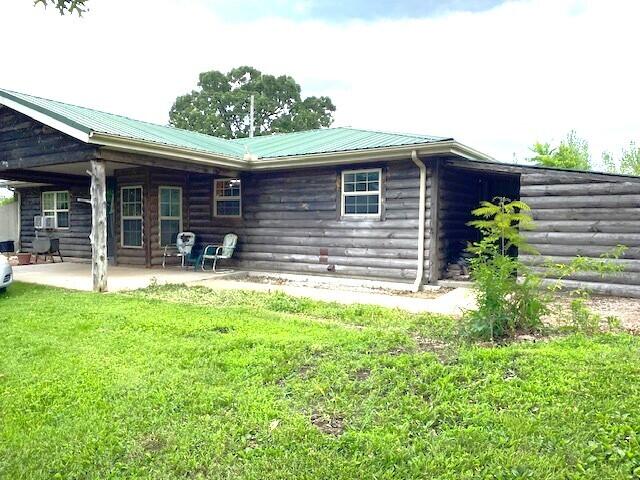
(496, 75)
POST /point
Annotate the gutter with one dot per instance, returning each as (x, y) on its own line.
(447, 147)
(422, 203)
(149, 148)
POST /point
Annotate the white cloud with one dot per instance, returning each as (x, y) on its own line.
(496, 80)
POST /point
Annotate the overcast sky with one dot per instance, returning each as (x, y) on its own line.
(496, 75)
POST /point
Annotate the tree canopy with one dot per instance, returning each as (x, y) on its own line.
(571, 153)
(220, 106)
(628, 163)
(65, 6)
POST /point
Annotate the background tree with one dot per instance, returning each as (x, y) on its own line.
(221, 105)
(65, 6)
(572, 153)
(628, 163)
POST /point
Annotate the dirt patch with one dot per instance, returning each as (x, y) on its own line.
(443, 351)
(428, 293)
(328, 424)
(627, 310)
(401, 350)
(305, 371)
(361, 374)
(153, 443)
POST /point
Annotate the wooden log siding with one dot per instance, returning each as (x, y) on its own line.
(26, 143)
(74, 241)
(588, 215)
(291, 219)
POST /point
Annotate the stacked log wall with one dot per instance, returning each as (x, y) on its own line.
(74, 241)
(291, 223)
(26, 143)
(588, 215)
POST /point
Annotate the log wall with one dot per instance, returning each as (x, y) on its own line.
(74, 241)
(26, 143)
(291, 222)
(588, 215)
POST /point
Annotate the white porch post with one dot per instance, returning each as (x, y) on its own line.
(98, 226)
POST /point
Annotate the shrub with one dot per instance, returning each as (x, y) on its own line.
(511, 298)
(505, 305)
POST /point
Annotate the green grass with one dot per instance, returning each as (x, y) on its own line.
(172, 384)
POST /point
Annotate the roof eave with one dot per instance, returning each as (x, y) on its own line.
(168, 151)
(70, 128)
(448, 147)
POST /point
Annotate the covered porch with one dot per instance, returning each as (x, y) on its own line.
(78, 276)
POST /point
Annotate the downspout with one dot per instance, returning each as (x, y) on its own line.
(421, 219)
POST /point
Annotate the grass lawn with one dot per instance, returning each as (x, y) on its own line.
(163, 384)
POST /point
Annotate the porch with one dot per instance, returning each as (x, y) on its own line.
(77, 276)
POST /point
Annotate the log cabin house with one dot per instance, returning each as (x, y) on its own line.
(338, 201)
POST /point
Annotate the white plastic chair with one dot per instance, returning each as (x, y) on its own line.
(184, 244)
(217, 252)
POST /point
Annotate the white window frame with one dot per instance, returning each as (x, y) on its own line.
(55, 207)
(161, 217)
(128, 217)
(216, 198)
(353, 194)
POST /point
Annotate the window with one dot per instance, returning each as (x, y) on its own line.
(227, 198)
(56, 205)
(361, 193)
(170, 214)
(131, 216)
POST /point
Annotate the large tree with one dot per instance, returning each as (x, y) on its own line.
(628, 163)
(65, 6)
(220, 106)
(571, 153)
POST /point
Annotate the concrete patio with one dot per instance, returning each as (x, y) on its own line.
(77, 276)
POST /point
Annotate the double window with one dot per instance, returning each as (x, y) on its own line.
(170, 209)
(56, 205)
(361, 193)
(227, 197)
(131, 216)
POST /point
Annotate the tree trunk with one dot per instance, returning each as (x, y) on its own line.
(98, 226)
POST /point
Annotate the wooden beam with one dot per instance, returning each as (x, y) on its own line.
(159, 162)
(98, 226)
(489, 167)
(9, 160)
(51, 178)
(434, 208)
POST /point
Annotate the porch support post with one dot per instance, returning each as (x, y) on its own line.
(434, 231)
(98, 226)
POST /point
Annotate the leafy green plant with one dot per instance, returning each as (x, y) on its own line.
(7, 200)
(511, 297)
(581, 318)
(505, 304)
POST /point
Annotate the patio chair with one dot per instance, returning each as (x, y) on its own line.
(184, 245)
(218, 252)
(46, 247)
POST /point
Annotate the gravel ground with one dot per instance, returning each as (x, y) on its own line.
(626, 310)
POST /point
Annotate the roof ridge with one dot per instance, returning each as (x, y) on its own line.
(383, 132)
(404, 134)
(12, 92)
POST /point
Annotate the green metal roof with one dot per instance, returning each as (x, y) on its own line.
(341, 139)
(93, 122)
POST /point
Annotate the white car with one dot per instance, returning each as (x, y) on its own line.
(6, 273)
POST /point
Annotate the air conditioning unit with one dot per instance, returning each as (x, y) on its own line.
(43, 223)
